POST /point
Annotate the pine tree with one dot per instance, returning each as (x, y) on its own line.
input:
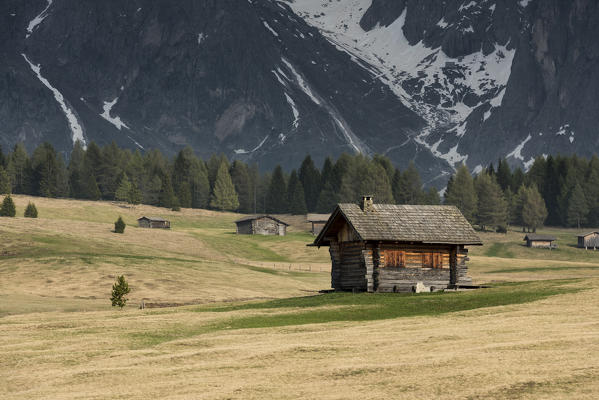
(123, 192)
(410, 187)
(241, 180)
(534, 211)
(166, 198)
(119, 226)
(577, 207)
(504, 175)
(8, 207)
(591, 191)
(200, 186)
(20, 170)
(461, 193)
(30, 211)
(431, 197)
(309, 176)
(213, 165)
(328, 199)
(49, 173)
(492, 208)
(386, 164)
(5, 184)
(295, 195)
(135, 196)
(224, 196)
(396, 183)
(119, 290)
(75, 171)
(276, 199)
(181, 176)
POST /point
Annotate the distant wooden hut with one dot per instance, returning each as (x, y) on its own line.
(588, 240)
(540, 241)
(396, 248)
(318, 221)
(261, 225)
(153, 222)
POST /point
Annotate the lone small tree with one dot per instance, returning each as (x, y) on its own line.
(31, 211)
(119, 226)
(8, 207)
(119, 290)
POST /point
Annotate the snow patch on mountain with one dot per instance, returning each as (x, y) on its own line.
(116, 121)
(38, 19)
(270, 29)
(301, 82)
(74, 124)
(386, 53)
(517, 153)
(293, 109)
(243, 151)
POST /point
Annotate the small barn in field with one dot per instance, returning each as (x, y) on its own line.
(396, 248)
(153, 222)
(318, 221)
(540, 241)
(588, 240)
(261, 225)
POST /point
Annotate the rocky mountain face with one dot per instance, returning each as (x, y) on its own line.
(434, 82)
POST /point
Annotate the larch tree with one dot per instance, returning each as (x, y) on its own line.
(241, 180)
(534, 211)
(577, 207)
(123, 192)
(492, 208)
(460, 192)
(224, 197)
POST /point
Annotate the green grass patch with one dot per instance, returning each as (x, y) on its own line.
(499, 249)
(242, 246)
(336, 307)
(546, 269)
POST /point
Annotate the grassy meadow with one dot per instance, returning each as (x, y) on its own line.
(240, 317)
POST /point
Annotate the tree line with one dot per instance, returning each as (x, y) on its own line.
(556, 190)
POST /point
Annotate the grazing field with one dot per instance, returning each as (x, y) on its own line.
(251, 324)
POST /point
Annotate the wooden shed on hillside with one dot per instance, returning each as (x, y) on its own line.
(261, 225)
(153, 222)
(588, 240)
(540, 241)
(318, 221)
(394, 248)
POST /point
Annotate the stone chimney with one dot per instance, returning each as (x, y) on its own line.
(367, 203)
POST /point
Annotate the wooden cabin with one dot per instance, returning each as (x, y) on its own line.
(396, 248)
(261, 225)
(588, 240)
(318, 221)
(153, 222)
(540, 241)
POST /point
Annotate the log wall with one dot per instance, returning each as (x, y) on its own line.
(360, 266)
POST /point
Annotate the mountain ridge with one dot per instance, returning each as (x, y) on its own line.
(270, 81)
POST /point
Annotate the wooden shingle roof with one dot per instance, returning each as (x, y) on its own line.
(587, 234)
(543, 238)
(153, 219)
(254, 217)
(404, 223)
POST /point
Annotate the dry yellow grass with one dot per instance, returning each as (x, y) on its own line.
(59, 339)
(546, 349)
